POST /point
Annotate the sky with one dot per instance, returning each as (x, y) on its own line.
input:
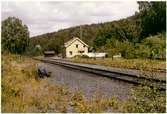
(49, 16)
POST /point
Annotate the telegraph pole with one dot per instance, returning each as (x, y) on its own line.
(80, 32)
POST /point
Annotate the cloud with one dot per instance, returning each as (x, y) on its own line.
(42, 17)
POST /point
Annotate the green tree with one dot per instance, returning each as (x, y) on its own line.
(15, 35)
(153, 17)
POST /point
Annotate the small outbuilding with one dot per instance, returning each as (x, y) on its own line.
(49, 53)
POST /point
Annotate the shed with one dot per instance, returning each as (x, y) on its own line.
(49, 53)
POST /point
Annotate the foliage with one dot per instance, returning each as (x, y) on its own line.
(33, 50)
(153, 17)
(15, 35)
(122, 30)
(157, 46)
(152, 47)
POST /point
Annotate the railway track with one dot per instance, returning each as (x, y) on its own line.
(129, 78)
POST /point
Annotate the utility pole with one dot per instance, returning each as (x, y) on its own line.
(80, 32)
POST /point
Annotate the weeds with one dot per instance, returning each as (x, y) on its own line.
(145, 99)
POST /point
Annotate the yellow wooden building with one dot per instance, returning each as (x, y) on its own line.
(75, 46)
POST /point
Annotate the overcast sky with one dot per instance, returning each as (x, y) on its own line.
(42, 17)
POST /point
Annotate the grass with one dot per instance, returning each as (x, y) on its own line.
(23, 91)
(147, 65)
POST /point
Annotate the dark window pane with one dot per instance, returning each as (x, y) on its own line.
(76, 45)
(70, 52)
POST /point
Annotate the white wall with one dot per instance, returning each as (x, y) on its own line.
(96, 54)
(75, 50)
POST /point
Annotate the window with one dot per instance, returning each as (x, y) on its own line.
(76, 45)
(70, 52)
(84, 46)
(81, 51)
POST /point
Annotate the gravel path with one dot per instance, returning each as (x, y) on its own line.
(88, 83)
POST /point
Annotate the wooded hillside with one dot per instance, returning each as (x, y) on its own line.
(130, 32)
(90, 33)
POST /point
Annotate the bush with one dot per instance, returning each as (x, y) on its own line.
(156, 45)
(33, 51)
